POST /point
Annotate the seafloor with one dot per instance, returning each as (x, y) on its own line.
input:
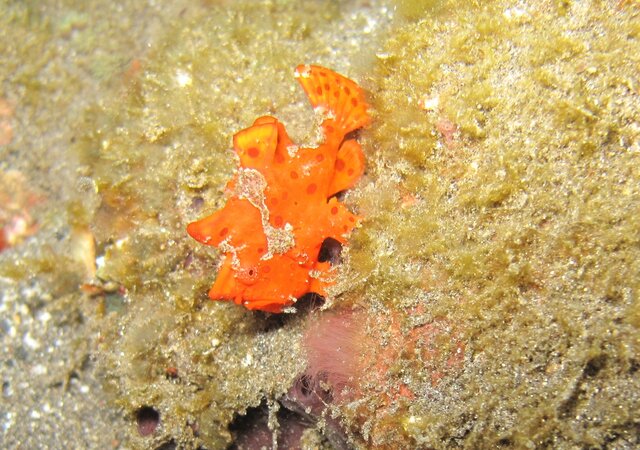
(489, 299)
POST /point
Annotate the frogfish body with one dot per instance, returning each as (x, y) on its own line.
(281, 202)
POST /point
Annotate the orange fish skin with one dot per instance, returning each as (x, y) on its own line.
(282, 203)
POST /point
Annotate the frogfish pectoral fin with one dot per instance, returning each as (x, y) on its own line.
(349, 166)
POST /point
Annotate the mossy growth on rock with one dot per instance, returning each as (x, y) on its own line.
(503, 198)
(158, 153)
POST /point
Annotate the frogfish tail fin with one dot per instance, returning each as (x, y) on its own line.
(343, 100)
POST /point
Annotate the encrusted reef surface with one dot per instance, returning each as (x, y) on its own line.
(490, 298)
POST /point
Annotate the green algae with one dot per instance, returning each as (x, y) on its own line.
(158, 154)
(517, 195)
(521, 229)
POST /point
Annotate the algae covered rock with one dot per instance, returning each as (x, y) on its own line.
(181, 367)
(497, 265)
(504, 200)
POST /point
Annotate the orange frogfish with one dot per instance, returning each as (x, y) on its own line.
(282, 203)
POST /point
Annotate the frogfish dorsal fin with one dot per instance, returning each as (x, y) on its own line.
(256, 145)
(343, 99)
